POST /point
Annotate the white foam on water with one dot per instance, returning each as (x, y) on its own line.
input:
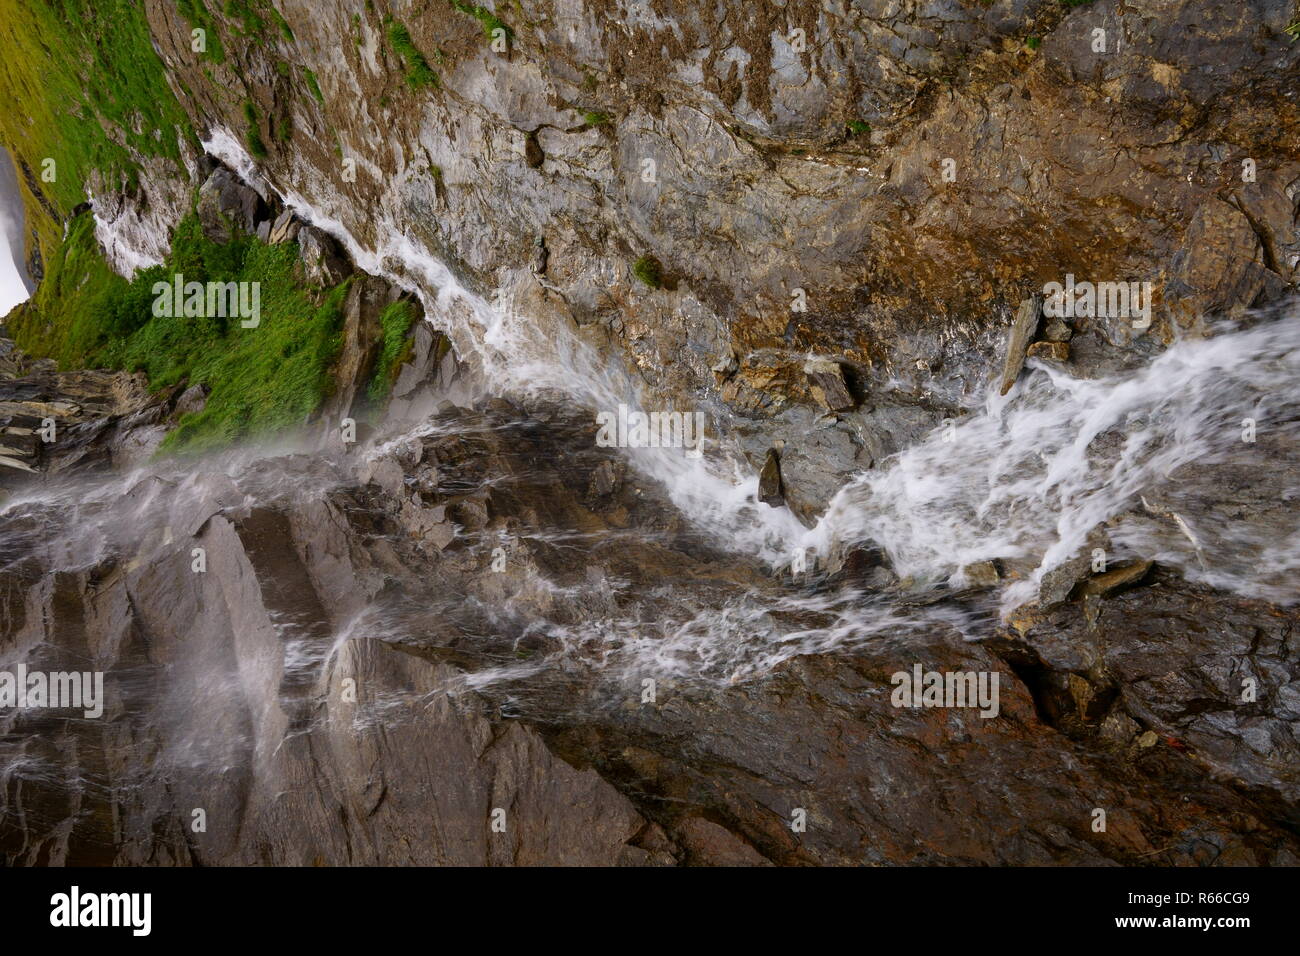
(1030, 474)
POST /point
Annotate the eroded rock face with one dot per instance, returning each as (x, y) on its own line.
(60, 423)
(732, 145)
(854, 207)
(385, 648)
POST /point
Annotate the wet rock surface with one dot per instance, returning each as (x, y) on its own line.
(484, 640)
(388, 646)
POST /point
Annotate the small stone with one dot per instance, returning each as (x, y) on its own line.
(982, 574)
(826, 380)
(533, 154)
(1118, 727)
(1057, 331)
(1056, 352)
(323, 262)
(284, 229)
(770, 491)
(191, 400)
(1148, 739)
(1082, 693)
(540, 255)
(604, 479)
(1112, 582)
(1022, 330)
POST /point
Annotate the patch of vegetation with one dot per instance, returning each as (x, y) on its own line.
(195, 13)
(1033, 43)
(252, 135)
(283, 68)
(251, 23)
(490, 21)
(858, 127)
(395, 320)
(595, 119)
(313, 85)
(650, 271)
(1293, 31)
(418, 71)
(283, 24)
(262, 379)
(49, 49)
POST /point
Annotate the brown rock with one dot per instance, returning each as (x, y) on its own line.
(826, 381)
(1055, 352)
(770, 490)
(1112, 582)
(982, 574)
(1022, 330)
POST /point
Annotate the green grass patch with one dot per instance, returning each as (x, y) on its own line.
(395, 320)
(80, 77)
(283, 24)
(418, 71)
(251, 23)
(490, 21)
(195, 13)
(253, 135)
(650, 271)
(592, 118)
(858, 127)
(262, 379)
(313, 85)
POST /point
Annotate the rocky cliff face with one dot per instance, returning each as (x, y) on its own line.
(704, 139)
(826, 226)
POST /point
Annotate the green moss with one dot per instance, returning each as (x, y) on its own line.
(252, 135)
(262, 379)
(649, 270)
(1033, 43)
(195, 13)
(858, 127)
(593, 118)
(313, 85)
(418, 71)
(285, 30)
(251, 23)
(490, 21)
(395, 320)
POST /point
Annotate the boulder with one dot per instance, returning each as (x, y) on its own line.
(322, 261)
(770, 490)
(826, 382)
(285, 228)
(1018, 338)
(226, 205)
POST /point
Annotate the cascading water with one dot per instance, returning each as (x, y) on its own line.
(1023, 479)
(1155, 458)
(1033, 472)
